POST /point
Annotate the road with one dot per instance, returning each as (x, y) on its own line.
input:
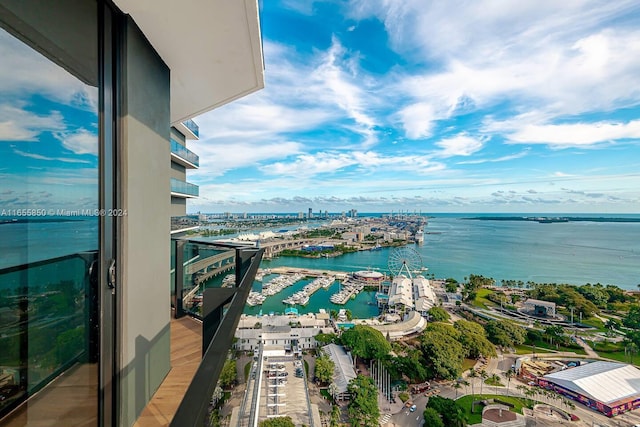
(499, 365)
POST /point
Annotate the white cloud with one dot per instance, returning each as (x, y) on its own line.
(80, 141)
(344, 89)
(496, 160)
(54, 159)
(17, 124)
(460, 145)
(218, 158)
(575, 134)
(309, 165)
(417, 120)
(554, 56)
(25, 71)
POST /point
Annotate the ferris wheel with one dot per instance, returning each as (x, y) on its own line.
(404, 260)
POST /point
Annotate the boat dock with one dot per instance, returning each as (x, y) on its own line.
(302, 297)
(349, 290)
(339, 275)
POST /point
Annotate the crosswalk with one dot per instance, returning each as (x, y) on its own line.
(385, 419)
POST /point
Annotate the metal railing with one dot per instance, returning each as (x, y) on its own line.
(220, 314)
(184, 153)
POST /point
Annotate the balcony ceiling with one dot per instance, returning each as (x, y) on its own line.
(213, 48)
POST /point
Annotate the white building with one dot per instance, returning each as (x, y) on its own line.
(286, 334)
(423, 295)
(411, 294)
(344, 371)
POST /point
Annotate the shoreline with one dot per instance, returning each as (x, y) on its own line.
(554, 219)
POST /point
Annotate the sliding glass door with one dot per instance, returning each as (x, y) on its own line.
(55, 181)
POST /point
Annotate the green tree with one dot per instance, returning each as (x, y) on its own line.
(228, 374)
(474, 340)
(554, 333)
(450, 411)
(277, 422)
(483, 376)
(432, 418)
(473, 374)
(508, 375)
(438, 314)
(411, 366)
(366, 342)
(632, 319)
(442, 352)
(363, 408)
(505, 333)
(324, 368)
(324, 339)
(451, 285)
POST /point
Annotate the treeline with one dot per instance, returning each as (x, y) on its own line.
(438, 353)
(588, 299)
(212, 233)
(336, 250)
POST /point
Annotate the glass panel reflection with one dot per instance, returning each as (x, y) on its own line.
(48, 203)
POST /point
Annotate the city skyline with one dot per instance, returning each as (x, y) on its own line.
(435, 107)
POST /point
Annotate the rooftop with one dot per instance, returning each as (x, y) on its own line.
(606, 382)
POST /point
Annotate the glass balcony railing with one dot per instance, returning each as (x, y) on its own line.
(184, 153)
(48, 323)
(211, 281)
(184, 188)
(193, 127)
(203, 264)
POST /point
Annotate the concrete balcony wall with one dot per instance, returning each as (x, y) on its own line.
(144, 261)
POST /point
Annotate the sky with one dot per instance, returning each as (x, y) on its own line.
(48, 135)
(456, 106)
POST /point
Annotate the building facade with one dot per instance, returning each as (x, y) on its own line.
(92, 94)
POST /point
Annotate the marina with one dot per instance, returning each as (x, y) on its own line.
(349, 290)
(280, 282)
(302, 297)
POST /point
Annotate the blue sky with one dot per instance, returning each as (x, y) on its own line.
(435, 106)
(48, 134)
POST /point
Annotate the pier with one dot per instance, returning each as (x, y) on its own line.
(339, 275)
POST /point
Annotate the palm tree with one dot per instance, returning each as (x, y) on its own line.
(522, 388)
(496, 381)
(465, 383)
(457, 386)
(508, 375)
(473, 375)
(333, 390)
(217, 394)
(530, 393)
(483, 376)
(460, 418)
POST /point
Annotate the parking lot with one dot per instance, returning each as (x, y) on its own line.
(283, 392)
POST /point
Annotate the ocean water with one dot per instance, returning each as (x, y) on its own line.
(570, 252)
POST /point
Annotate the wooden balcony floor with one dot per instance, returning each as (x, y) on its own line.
(186, 354)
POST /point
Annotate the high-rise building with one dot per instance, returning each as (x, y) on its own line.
(97, 111)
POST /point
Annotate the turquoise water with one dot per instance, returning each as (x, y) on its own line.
(572, 252)
(363, 306)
